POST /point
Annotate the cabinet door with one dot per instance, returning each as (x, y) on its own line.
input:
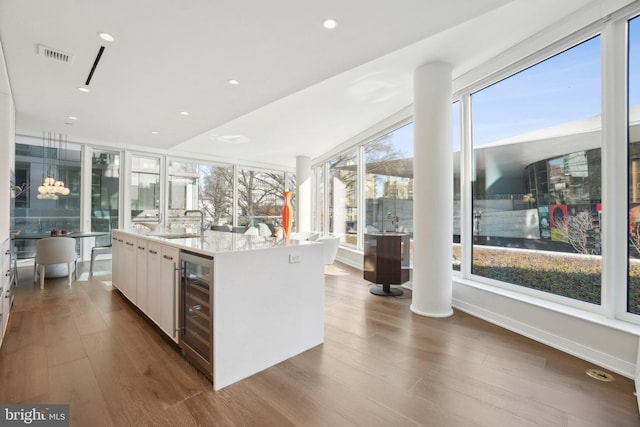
(153, 280)
(116, 258)
(141, 274)
(129, 270)
(168, 290)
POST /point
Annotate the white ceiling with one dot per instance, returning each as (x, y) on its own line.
(303, 89)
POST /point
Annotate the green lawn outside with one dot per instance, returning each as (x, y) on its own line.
(571, 276)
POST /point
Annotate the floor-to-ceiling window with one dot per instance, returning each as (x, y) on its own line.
(105, 193)
(35, 161)
(343, 197)
(537, 185)
(633, 292)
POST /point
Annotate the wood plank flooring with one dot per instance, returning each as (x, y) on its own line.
(380, 365)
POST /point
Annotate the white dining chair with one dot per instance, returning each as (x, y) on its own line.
(54, 250)
(331, 244)
(264, 230)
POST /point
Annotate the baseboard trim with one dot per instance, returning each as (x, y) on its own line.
(609, 362)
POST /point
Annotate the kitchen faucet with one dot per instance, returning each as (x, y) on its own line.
(186, 213)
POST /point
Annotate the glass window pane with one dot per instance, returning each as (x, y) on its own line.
(320, 211)
(537, 185)
(388, 183)
(633, 298)
(456, 250)
(216, 193)
(145, 190)
(260, 198)
(105, 193)
(35, 161)
(343, 205)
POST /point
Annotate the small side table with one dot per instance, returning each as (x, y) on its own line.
(386, 261)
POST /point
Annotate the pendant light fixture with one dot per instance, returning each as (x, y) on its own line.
(51, 187)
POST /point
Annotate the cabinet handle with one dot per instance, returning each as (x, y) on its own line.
(141, 248)
(175, 282)
(153, 252)
(129, 243)
(7, 252)
(170, 258)
(8, 273)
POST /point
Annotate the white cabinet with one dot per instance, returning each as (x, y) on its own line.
(117, 241)
(145, 271)
(153, 280)
(129, 268)
(168, 295)
(141, 274)
(5, 287)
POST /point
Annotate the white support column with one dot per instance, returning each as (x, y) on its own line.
(303, 193)
(433, 191)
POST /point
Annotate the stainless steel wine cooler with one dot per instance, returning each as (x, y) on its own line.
(195, 326)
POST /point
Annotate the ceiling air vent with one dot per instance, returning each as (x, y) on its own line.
(55, 54)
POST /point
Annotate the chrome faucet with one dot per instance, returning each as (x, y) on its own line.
(186, 213)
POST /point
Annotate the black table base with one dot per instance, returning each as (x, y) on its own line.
(385, 291)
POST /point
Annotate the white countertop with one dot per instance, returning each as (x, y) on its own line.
(215, 242)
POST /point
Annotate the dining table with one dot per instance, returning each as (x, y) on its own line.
(56, 270)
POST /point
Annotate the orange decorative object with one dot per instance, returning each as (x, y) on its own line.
(287, 215)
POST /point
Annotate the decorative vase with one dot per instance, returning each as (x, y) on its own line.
(287, 215)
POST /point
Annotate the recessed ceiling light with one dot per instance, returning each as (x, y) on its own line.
(84, 89)
(72, 118)
(154, 132)
(106, 37)
(233, 139)
(329, 24)
(234, 82)
(184, 113)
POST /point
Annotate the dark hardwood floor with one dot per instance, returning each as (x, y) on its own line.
(380, 365)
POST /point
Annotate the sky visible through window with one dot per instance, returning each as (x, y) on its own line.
(561, 89)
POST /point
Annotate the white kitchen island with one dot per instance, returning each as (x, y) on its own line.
(268, 294)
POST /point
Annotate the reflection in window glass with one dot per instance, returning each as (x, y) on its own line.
(537, 185)
(342, 194)
(633, 299)
(36, 215)
(260, 198)
(105, 193)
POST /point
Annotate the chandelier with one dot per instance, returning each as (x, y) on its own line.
(51, 187)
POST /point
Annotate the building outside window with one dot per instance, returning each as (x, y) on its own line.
(537, 184)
